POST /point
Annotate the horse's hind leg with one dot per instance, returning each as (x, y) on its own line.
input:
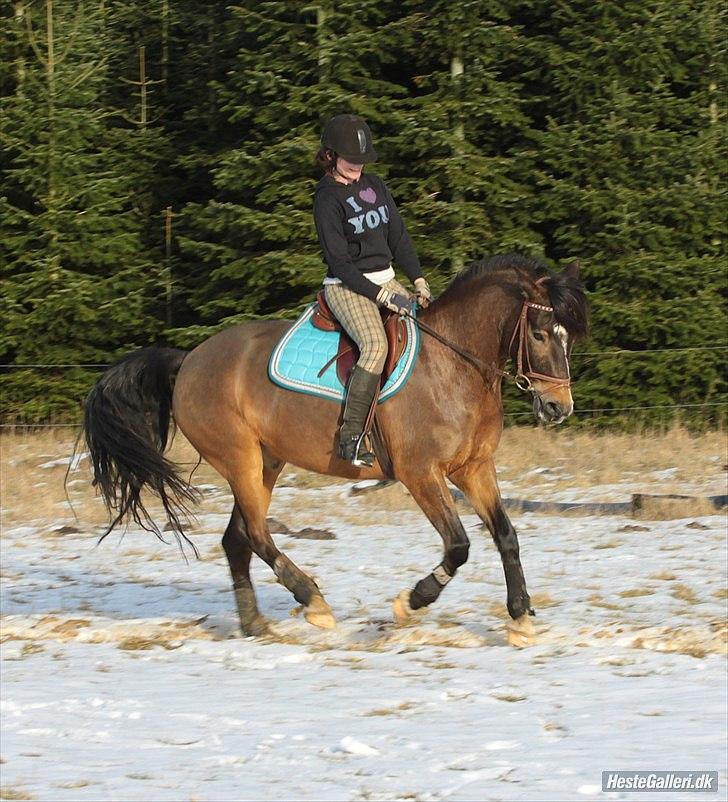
(429, 490)
(478, 482)
(251, 479)
(238, 551)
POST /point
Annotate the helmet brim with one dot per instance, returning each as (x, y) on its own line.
(359, 158)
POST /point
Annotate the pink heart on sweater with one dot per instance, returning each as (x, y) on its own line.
(368, 195)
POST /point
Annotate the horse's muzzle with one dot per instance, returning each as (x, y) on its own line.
(551, 410)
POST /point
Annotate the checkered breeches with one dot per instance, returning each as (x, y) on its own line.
(361, 319)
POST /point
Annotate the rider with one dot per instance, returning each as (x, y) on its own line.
(361, 232)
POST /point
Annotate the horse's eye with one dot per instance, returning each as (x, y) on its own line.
(539, 336)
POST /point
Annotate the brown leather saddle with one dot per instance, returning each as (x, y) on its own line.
(347, 353)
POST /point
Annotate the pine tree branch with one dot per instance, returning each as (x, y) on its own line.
(31, 38)
(73, 34)
(86, 73)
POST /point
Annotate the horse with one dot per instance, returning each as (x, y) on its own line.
(445, 424)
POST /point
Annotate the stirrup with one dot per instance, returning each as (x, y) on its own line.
(354, 450)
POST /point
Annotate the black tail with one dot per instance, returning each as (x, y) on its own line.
(126, 426)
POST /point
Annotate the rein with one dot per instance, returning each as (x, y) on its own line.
(522, 378)
(482, 366)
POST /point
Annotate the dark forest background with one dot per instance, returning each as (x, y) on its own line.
(157, 174)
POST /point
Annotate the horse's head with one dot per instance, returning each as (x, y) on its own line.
(552, 318)
(542, 312)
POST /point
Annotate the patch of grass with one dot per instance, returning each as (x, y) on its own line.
(667, 509)
(628, 594)
(684, 593)
(665, 575)
(610, 544)
(509, 697)
(390, 711)
(554, 726)
(606, 457)
(597, 601)
(11, 792)
(136, 644)
(544, 600)
(440, 664)
(32, 493)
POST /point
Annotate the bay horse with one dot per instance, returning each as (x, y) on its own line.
(444, 424)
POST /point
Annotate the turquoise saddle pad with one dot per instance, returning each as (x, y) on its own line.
(304, 350)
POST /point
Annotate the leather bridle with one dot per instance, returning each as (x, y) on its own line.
(522, 377)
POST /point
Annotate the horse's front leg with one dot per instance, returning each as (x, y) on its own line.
(478, 481)
(430, 491)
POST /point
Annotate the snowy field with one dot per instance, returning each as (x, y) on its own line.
(124, 677)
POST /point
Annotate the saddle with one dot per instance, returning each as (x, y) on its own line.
(347, 353)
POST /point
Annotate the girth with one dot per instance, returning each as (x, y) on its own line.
(348, 352)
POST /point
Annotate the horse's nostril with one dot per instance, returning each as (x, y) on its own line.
(552, 409)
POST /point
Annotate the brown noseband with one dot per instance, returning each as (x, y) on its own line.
(523, 377)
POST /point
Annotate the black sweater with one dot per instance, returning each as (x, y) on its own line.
(360, 231)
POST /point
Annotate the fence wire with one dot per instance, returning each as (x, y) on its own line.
(590, 410)
(585, 354)
(589, 354)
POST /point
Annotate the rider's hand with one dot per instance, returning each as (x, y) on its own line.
(394, 301)
(423, 296)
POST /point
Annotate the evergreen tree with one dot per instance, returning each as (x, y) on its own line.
(462, 132)
(76, 280)
(157, 169)
(628, 182)
(296, 66)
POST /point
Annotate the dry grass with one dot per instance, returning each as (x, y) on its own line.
(684, 593)
(9, 792)
(594, 459)
(666, 509)
(130, 635)
(664, 575)
(628, 594)
(32, 494)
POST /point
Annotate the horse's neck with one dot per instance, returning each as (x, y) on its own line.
(480, 322)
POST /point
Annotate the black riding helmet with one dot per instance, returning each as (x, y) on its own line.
(350, 137)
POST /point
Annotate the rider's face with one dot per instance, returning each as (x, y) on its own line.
(350, 170)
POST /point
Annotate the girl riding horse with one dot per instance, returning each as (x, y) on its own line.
(361, 232)
(247, 427)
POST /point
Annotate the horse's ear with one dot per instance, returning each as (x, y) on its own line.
(572, 269)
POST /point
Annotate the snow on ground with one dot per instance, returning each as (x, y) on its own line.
(124, 676)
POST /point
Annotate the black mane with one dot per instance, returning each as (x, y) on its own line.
(566, 293)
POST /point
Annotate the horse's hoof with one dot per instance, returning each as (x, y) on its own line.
(521, 632)
(401, 607)
(319, 614)
(255, 627)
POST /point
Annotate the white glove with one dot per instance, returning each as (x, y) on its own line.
(394, 301)
(423, 296)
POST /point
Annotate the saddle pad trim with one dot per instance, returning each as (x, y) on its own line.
(394, 384)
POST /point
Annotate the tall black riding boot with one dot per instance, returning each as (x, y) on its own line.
(359, 396)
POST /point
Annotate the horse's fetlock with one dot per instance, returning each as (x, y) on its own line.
(425, 592)
(519, 605)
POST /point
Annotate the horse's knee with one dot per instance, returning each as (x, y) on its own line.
(457, 553)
